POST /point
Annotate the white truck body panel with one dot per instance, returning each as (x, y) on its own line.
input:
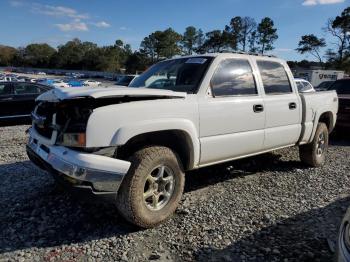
(113, 91)
(219, 128)
(314, 105)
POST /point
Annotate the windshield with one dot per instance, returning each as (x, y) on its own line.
(342, 87)
(181, 75)
(125, 80)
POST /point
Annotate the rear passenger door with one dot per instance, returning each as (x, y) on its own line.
(232, 115)
(6, 97)
(24, 98)
(282, 105)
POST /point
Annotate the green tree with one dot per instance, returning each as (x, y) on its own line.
(168, 43)
(248, 28)
(137, 62)
(7, 55)
(70, 55)
(266, 35)
(200, 39)
(189, 40)
(340, 29)
(113, 58)
(215, 41)
(252, 42)
(311, 44)
(240, 30)
(234, 31)
(148, 47)
(162, 44)
(38, 55)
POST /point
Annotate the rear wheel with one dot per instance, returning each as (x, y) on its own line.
(152, 189)
(314, 154)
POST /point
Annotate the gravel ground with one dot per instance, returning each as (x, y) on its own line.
(266, 208)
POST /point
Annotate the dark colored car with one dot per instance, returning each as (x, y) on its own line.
(125, 80)
(343, 90)
(17, 101)
(324, 85)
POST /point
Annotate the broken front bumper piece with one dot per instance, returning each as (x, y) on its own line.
(95, 173)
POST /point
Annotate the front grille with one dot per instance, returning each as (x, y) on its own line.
(43, 119)
(45, 132)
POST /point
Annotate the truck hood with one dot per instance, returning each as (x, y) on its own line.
(59, 94)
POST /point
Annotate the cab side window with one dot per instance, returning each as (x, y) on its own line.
(274, 77)
(233, 77)
(5, 89)
(26, 89)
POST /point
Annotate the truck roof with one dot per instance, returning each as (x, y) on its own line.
(233, 54)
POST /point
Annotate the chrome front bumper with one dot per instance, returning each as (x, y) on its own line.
(104, 174)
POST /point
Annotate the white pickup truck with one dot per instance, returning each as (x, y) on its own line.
(132, 145)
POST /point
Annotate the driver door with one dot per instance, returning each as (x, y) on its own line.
(232, 117)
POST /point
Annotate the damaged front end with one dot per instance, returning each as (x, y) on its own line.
(57, 144)
(58, 141)
(64, 122)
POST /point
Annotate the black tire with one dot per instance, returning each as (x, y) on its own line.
(130, 199)
(309, 153)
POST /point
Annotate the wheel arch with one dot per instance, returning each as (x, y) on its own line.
(177, 140)
(179, 135)
(325, 117)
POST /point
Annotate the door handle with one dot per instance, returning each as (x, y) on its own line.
(292, 106)
(7, 99)
(258, 108)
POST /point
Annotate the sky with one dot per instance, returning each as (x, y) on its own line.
(55, 22)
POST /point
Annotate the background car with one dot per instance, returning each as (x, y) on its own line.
(7, 78)
(342, 87)
(45, 81)
(92, 83)
(25, 79)
(125, 80)
(324, 85)
(74, 82)
(59, 83)
(17, 101)
(304, 86)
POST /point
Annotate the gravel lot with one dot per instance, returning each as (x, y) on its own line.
(266, 208)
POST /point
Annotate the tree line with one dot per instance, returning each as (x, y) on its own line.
(337, 55)
(240, 34)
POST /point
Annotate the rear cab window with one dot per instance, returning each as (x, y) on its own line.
(274, 77)
(233, 77)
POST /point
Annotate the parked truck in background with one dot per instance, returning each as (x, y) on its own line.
(133, 145)
(316, 77)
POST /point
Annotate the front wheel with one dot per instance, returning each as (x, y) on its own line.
(152, 189)
(314, 154)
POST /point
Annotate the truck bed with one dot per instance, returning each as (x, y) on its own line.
(313, 103)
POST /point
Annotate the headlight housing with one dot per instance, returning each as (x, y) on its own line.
(73, 139)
